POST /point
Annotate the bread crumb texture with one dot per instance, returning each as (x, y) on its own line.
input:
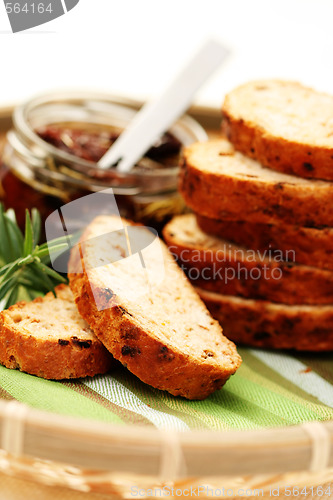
(283, 125)
(48, 338)
(164, 335)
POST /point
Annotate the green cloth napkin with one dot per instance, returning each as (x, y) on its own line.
(270, 389)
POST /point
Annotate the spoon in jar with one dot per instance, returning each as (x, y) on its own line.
(155, 117)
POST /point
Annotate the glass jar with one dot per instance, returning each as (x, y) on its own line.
(36, 173)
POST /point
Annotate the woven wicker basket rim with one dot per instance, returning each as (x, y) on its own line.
(89, 443)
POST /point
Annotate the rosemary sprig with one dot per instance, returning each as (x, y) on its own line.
(24, 264)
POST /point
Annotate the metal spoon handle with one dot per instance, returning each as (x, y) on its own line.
(155, 117)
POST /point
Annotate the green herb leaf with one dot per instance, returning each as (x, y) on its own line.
(15, 236)
(39, 279)
(24, 271)
(27, 294)
(7, 286)
(11, 270)
(45, 251)
(10, 213)
(3, 270)
(36, 225)
(52, 273)
(29, 236)
(12, 297)
(6, 250)
(33, 294)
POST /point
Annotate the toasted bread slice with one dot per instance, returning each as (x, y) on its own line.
(218, 265)
(163, 334)
(221, 183)
(283, 125)
(265, 324)
(310, 246)
(48, 338)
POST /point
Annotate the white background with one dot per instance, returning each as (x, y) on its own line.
(133, 47)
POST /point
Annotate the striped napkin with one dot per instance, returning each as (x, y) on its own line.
(270, 389)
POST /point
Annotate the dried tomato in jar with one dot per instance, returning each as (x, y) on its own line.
(51, 155)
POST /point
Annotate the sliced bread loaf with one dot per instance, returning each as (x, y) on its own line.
(221, 183)
(264, 324)
(283, 125)
(217, 265)
(48, 338)
(164, 335)
(310, 246)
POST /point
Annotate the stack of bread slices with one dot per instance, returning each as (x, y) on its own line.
(148, 317)
(259, 246)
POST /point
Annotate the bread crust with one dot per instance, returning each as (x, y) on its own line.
(256, 140)
(264, 324)
(158, 363)
(219, 193)
(311, 246)
(213, 260)
(50, 358)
